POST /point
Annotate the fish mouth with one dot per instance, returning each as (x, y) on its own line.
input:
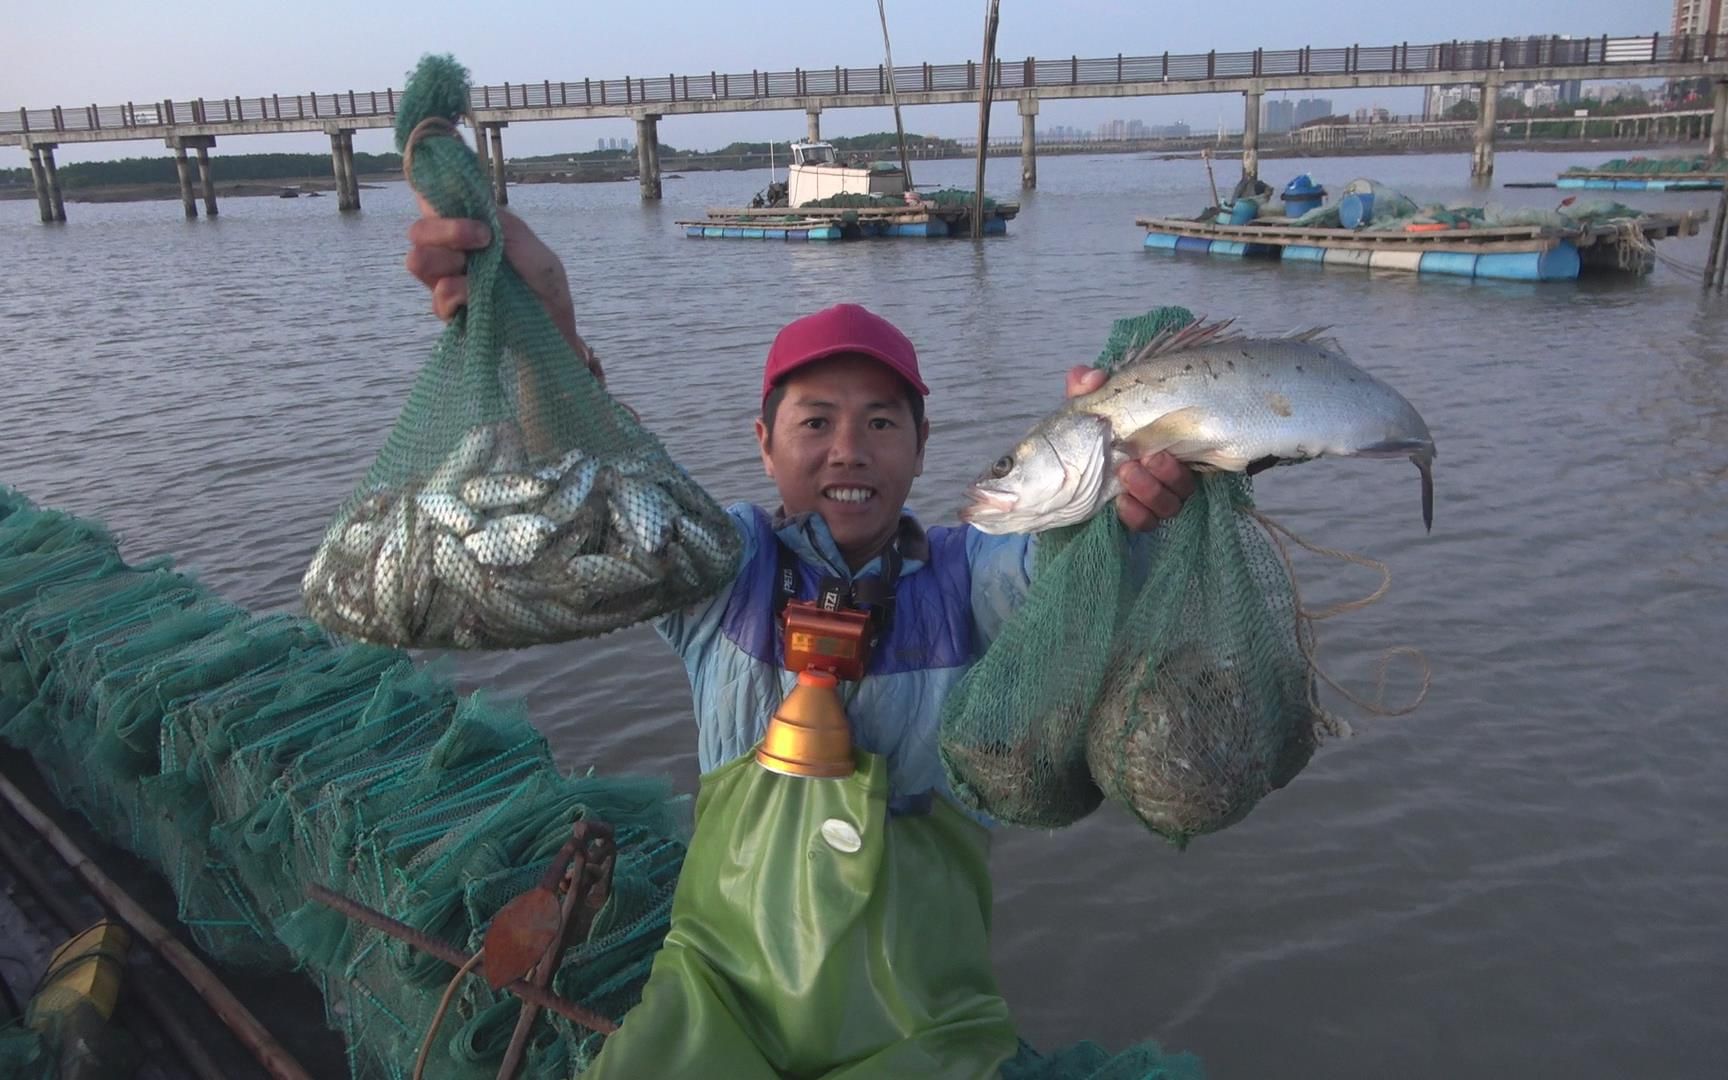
(986, 504)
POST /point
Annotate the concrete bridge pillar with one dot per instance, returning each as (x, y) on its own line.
(39, 178)
(1028, 143)
(1482, 160)
(342, 165)
(648, 155)
(188, 198)
(50, 203)
(1251, 134)
(187, 201)
(205, 182)
(1718, 125)
(499, 191)
(813, 122)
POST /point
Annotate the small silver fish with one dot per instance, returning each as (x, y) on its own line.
(500, 491)
(1216, 400)
(514, 540)
(554, 473)
(449, 512)
(562, 506)
(642, 514)
(470, 454)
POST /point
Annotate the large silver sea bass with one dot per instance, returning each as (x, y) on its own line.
(1214, 399)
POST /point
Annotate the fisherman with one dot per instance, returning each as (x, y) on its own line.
(842, 433)
(833, 927)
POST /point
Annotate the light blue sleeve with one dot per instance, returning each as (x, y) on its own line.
(691, 629)
(1001, 575)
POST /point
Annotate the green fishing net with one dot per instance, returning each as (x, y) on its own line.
(1643, 166)
(1165, 671)
(514, 502)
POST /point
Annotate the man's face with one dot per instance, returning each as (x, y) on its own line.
(844, 446)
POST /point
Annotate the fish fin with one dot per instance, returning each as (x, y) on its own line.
(1178, 432)
(1182, 337)
(1318, 335)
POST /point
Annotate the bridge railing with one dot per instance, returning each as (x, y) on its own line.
(1506, 54)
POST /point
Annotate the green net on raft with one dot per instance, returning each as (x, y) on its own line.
(247, 756)
(1643, 166)
(514, 502)
(1165, 670)
(943, 197)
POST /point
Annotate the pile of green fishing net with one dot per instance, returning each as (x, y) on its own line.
(514, 502)
(947, 197)
(249, 756)
(1166, 671)
(855, 201)
(1643, 166)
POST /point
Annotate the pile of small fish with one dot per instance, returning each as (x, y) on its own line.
(489, 553)
(1192, 743)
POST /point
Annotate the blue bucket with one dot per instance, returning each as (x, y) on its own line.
(1356, 209)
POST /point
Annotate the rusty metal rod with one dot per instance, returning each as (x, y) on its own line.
(430, 945)
(275, 1059)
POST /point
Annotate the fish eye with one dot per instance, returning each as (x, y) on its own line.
(1004, 465)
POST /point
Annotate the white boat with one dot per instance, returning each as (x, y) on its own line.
(816, 173)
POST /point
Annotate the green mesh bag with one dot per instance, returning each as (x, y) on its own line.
(514, 503)
(1164, 670)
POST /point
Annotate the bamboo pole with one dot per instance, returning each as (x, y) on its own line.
(987, 90)
(139, 987)
(894, 95)
(277, 1061)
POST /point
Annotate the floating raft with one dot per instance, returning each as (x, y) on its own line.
(1606, 181)
(846, 223)
(1507, 253)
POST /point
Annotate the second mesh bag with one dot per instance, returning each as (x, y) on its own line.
(514, 502)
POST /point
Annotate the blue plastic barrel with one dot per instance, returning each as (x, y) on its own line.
(1558, 263)
(1242, 211)
(1161, 241)
(1356, 209)
(1304, 253)
(1197, 244)
(1229, 247)
(1454, 263)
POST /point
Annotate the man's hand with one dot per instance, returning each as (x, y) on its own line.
(438, 250)
(1153, 488)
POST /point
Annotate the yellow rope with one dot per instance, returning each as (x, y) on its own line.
(1306, 619)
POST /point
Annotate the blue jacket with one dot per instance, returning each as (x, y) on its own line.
(956, 588)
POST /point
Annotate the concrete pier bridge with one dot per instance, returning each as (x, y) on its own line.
(195, 125)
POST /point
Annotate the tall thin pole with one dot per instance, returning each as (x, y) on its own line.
(987, 90)
(894, 95)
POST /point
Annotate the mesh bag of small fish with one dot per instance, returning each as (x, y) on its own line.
(514, 502)
(1165, 671)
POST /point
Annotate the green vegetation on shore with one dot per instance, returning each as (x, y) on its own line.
(160, 170)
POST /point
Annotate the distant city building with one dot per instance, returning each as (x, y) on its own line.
(1539, 95)
(1700, 16)
(1277, 116)
(1441, 99)
(1618, 92)
(1312, 109)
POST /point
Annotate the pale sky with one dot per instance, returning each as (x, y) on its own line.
(109, 52)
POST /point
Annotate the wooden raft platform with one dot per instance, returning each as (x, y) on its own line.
(846, 223)
(1515, 253)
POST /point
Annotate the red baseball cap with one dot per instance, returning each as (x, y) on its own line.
(843, 328)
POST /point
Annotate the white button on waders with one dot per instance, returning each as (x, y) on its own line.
(841, 835)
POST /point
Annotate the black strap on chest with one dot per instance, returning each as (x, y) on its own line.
(873, 594)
